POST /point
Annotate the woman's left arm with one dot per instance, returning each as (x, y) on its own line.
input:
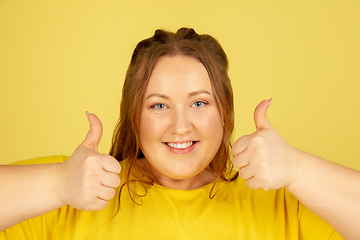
(266, 161)
(331, 191)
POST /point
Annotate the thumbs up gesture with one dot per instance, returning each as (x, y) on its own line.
(88, 179)
(263, 158)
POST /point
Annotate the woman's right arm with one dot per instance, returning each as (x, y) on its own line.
(27, 191)
(86, 181)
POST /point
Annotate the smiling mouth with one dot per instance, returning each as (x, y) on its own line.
(180, 145)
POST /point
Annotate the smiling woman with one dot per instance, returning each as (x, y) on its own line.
(182, 138)
(168, 76)
(176, 178)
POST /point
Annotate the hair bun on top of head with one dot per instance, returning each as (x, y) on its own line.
(187, 33)
(162, 36)
(173, 40)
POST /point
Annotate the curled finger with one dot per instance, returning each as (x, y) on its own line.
(240, 145)
(111, 180)
(106, 193)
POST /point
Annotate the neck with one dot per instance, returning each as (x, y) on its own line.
(203, 178)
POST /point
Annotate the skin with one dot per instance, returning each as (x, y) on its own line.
(179, 106)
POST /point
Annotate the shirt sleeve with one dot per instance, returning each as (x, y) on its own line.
(42, 160)
(41, 227)
(312, 226)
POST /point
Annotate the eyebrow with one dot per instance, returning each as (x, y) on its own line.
(198, 93)
(157, 95)
(190, 94)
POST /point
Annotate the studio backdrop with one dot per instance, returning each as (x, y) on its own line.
(59, 59)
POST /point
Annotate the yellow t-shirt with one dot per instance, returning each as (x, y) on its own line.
(236, 212)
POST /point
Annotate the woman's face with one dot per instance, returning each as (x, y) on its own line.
(181, 127)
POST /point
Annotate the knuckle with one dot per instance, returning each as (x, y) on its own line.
(262, 164)
(92, 159)
(259, 151)
(258, 138)
(88, 177)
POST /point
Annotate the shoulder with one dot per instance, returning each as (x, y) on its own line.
(259, 198)
(43, 160)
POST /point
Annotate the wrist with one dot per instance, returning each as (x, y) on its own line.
(58, 182)
(302, 162)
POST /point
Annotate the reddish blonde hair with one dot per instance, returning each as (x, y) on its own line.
(186, 42)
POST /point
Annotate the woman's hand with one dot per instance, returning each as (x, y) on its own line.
(88, 179)
(328, 189)
(263, 158)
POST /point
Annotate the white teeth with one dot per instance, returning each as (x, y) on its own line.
(180, 145)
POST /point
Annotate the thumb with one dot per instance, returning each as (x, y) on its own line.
(260, 118)
(93, 136)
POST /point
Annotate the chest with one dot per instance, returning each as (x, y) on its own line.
(168, 216)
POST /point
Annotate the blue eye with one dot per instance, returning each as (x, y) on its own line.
(199, 103)
(158, 106)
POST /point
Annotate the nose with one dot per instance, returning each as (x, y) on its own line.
(180, 122)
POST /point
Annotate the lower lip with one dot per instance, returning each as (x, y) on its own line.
(181, 151)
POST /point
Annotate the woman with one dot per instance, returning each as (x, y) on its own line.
(177, 178)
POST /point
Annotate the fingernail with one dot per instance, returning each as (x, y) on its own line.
(270, 101)
(87, 114)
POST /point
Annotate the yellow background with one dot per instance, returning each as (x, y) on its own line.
(61, 58)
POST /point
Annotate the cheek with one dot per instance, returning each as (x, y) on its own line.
(211, 125)
(150, 128)
(145, 129)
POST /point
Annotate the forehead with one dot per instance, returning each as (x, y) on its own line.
(176, 74)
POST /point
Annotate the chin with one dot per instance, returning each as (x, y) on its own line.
(181, 175)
